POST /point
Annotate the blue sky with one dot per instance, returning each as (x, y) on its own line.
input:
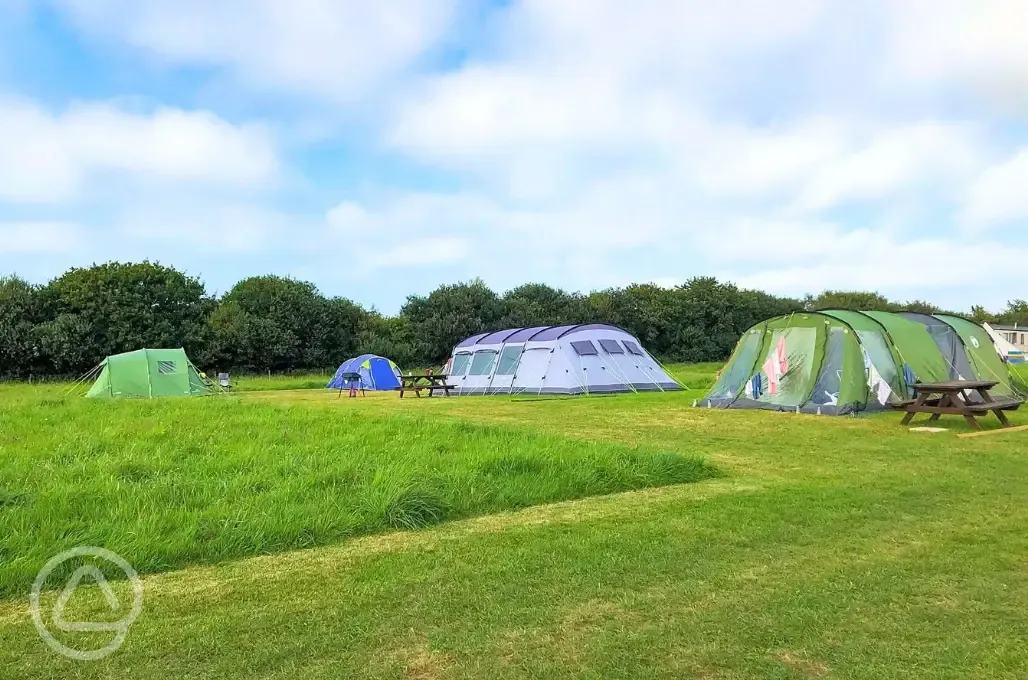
(381, 149)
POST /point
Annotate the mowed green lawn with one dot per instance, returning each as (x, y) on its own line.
(820, 547)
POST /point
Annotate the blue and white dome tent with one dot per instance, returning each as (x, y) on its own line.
(377, 373)
(579, 359)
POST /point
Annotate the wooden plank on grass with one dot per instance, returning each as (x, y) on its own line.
(1019, 428)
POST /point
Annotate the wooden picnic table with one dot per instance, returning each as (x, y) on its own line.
(431, 382)
(955, 397)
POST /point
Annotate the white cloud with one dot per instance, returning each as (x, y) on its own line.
(47, 158)
(576, 86)
(485, 111)
(219, 228)
(900, 159)
(1000, 194)
(425, 252)
(791, 145)
(744, 161)
(350, 219)
(624, 213)
(978, 44)
(887, 264)
(572, 244)
(637, 36)
(774, 243)
(34, 238)
(581, 90)
(604, 126)
(333, 48)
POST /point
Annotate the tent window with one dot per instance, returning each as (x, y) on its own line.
(166, 367)
(460, 364)
(632, 348)
(611, 347)
(509, 358)
(483, 362)
(584, 347)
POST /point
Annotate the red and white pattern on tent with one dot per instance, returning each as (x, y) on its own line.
(776, 366)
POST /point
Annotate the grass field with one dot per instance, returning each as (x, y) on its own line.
(179, 482)
(822, 547)
(298, 381)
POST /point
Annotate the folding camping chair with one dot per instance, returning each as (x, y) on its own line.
(223, 381)
(354, 381)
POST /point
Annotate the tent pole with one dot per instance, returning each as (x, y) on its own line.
(610, 364)
(542, 382)
(149, 382)
(584, 386)
(514, 376)
(496, 367)
(666, 372)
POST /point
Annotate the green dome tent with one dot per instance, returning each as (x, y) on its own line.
(148, 373)
(841, 361)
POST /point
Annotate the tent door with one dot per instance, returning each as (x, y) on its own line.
(506, 368)
(501, 383)
(530, 372)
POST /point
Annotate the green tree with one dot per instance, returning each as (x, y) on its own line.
(1016, 312)
(647, 311)
(711, 320)
(981, 315)
(839, 299)
(390, 337)
(756, 306)
(278, 323)
(112, 308)
(713, 315)
(920, 306)
(536, 304)
(449, 314)
(342, 322)
(246, 342)
(20, 312)
(68, 344)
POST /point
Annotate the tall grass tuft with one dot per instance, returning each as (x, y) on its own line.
(169, 483)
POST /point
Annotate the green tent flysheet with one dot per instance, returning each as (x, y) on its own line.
(840, 361)
(148, 373)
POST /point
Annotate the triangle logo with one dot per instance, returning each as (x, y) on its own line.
(69, 589)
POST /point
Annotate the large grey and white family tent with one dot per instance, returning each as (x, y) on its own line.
(580, 359)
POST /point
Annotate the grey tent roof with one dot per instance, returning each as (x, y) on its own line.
(534, 334)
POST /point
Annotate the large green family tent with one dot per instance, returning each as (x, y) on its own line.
(840, 361)
(148, 373)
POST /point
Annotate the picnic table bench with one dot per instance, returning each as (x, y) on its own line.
(956, 397)
(429, 382)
